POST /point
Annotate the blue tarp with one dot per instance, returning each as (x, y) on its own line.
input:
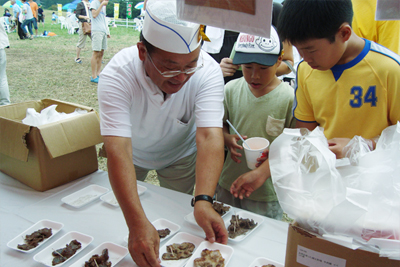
(8, 4)
(71, 5)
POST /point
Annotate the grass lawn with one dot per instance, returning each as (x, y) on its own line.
(45, 68)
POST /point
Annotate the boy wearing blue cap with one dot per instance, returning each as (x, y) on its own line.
(258, 105)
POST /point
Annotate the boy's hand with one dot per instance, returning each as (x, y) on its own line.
(336, 145)
(247, 183)
(227, 67)
(231, 143)
(264, 157)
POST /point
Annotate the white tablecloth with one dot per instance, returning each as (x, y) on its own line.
(21, 207)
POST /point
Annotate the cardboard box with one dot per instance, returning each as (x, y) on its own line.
(47, 156)
(308, 249)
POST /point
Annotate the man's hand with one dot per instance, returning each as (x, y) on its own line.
(143, 245)
(248, 182)
(211, 222)
(230, 141)
(336, 145)
(227, 67)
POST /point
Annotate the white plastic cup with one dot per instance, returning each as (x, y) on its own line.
(257, 146)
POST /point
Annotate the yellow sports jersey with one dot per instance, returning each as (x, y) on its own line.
(360, 97)
(383, 32)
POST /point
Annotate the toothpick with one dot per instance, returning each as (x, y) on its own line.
(58, 253)
(237, 222)
(172, 251)
(96, 262)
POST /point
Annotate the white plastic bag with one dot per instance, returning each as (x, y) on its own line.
(48, 115)
(361, 201)
(356, 148)
(303, 171)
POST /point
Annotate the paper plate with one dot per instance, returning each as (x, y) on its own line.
(179, 238)
(141, 189)
(264, 261)
(226, 252)
(84, 196)
(45, 256)
(110, 198)
(115, 253)
(162, 224)
(245, 215)
(19, 239)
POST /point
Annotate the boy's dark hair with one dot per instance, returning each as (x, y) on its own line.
(301, 20)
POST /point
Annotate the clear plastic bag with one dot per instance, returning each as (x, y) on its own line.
(356, 148)
(361, 201)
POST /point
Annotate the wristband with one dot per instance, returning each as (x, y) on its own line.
(201, 197)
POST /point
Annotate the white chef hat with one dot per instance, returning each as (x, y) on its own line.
(164, 30)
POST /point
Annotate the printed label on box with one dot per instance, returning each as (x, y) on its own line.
(314, 258)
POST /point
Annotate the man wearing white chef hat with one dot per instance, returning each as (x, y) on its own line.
(161, 108)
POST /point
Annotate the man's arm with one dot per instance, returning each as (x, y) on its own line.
(96, 12)
(143, 237)
(210, 158)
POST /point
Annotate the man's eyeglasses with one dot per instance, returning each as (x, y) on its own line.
(173, 73)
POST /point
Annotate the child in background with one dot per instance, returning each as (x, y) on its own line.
(258, 105)
(53, 18)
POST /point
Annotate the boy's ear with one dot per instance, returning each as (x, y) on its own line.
(280, 58)
(345, 32)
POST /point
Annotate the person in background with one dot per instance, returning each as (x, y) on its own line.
(27, 12)
(259, 89)
(7, 17)
(54, 17)
(34, 8)
(41, 15)
(82, 14)
(386, 33)
(161, 108)
(100, 33)
(6, 13)
(4, 90)
(342, 81)
(17, 12)
(231, 71)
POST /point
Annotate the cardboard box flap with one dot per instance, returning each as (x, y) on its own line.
(63, 106)
(70, 135)
(17, 111)
(14, 132)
